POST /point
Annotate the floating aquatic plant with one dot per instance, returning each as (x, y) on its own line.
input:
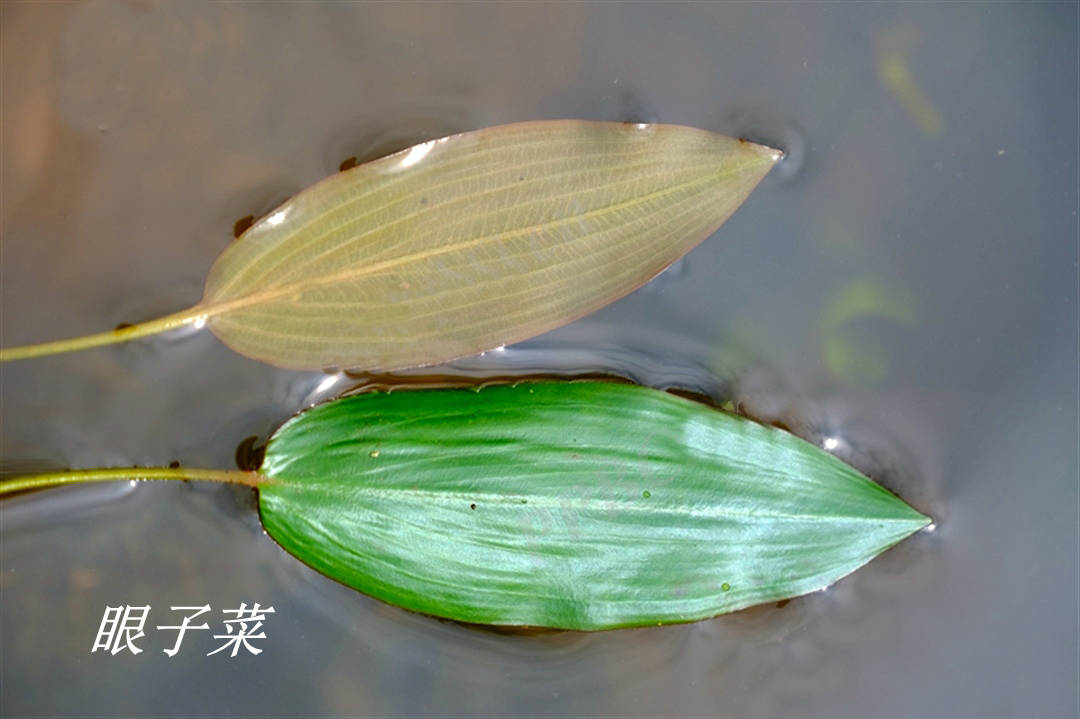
(462, 244)
(574, 505)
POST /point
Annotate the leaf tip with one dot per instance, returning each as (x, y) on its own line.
(919, 521)
(772, 154)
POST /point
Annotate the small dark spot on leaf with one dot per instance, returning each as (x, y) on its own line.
(423, 200)
(175, 464)
(347, 164)
(521, 177)
(472, 506)
(240, 226)
(123, 326)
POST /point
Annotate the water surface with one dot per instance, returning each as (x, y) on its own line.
(903, 288)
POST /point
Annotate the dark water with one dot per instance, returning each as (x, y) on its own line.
(904, 288)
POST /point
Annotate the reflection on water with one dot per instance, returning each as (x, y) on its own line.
(903, 298)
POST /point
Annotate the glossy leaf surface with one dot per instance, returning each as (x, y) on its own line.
(473, 241)
(585, 505)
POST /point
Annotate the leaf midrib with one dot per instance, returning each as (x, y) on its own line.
(269, 311)
(578, 503)
(212, 310)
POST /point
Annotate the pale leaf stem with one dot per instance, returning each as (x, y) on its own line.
(193, 316)
(80, 476)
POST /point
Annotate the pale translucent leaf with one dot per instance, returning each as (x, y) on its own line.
(473, 241)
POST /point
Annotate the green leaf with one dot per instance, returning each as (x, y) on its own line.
(586, 505)
(571, 505)
(463, 244)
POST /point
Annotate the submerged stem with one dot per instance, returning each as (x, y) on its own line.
(192, 316)
(79, 476)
